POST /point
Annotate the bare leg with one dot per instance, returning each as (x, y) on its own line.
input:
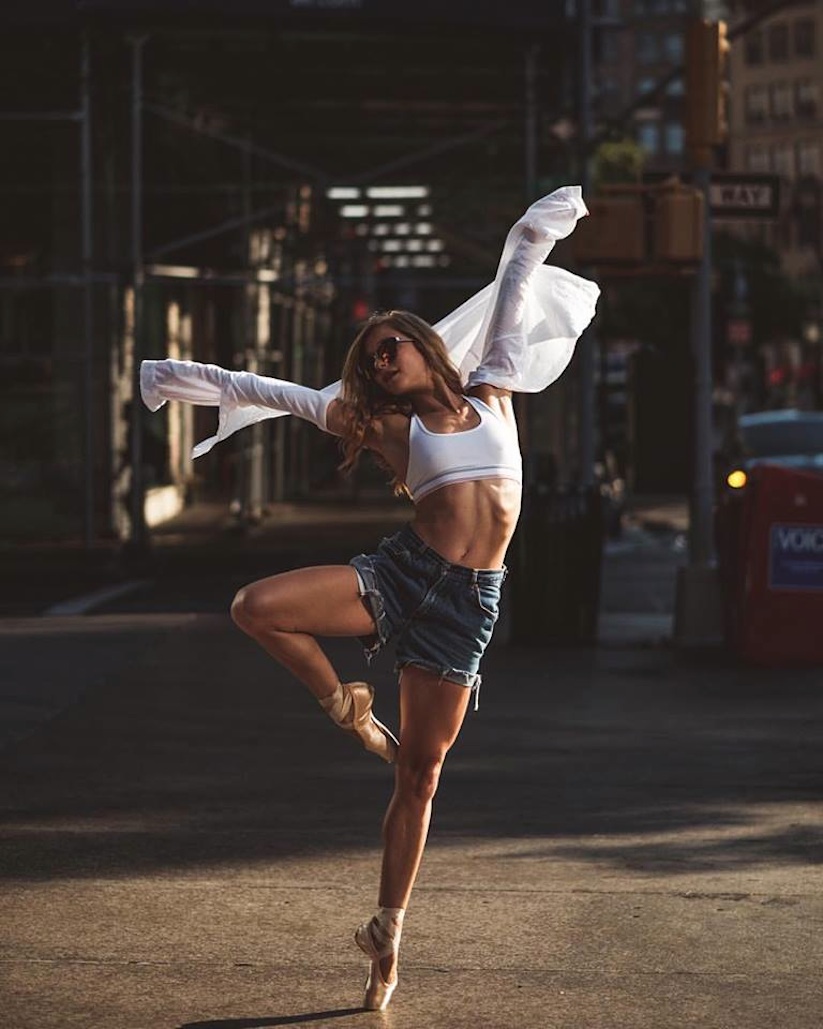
(431, 714)
(284, 613)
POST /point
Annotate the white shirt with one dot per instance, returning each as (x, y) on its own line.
(517, 333)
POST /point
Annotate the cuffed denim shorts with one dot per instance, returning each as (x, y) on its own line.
(441, 615)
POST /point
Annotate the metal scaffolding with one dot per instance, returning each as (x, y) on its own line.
(139, 138)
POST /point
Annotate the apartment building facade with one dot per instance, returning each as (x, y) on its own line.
(776, 127)
(639, 42)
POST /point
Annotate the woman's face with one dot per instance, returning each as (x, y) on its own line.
(394, 362)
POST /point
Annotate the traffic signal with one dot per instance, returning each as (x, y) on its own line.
(678, 226)
(707, 90)
(614, 232)
(653, 226)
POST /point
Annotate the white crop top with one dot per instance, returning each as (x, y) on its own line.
(488, 451)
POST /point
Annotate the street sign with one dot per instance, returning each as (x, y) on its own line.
(744, 196)
(796, 557)
(733, 195)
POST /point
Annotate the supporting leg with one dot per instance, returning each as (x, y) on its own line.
(431, 714)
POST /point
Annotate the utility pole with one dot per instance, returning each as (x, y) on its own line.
(698, 609)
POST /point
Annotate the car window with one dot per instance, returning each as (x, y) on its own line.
(777, 438)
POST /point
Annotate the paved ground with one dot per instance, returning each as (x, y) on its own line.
(625, 835)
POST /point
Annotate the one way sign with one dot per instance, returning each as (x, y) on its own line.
(744, 196)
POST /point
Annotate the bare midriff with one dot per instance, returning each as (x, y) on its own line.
(470, 523)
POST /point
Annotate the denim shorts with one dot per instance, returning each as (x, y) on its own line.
(440, 615)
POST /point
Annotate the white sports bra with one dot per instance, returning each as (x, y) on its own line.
(488, 451)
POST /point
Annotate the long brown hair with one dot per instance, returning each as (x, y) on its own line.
(364, 400)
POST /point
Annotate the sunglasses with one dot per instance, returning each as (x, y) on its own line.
(385, 353)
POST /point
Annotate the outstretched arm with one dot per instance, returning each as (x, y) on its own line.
(243, 398)
(210, 385)
(504, 332)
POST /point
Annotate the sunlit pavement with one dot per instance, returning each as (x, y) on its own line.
(624, 835)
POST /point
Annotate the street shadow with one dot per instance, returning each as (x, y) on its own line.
(200, 753)
(264, 1023)
(799, 845)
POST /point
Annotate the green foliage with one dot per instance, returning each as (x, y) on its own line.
(617, 162)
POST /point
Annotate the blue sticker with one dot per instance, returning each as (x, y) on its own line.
(796, 557)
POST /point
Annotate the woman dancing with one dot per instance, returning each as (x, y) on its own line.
(435, 405)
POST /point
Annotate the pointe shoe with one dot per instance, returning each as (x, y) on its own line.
(378, 992)
(351, 709)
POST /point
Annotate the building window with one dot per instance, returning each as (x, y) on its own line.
(756, 100)
(608, 94)
(673, 47)
(779, 42)
(677, 87)
(808, 158)
(804, 37)
(754, 47)
(781, 101)
(648, 136)
(757, 159)
(783, 160)
(807, 214)
(807, 98)
(645, 85)
(609, 50)
(609, 87)
(673, 138)
(648, 49)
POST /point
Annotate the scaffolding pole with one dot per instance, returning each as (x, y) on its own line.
(137, 539)
(588, 342)
(87, 258)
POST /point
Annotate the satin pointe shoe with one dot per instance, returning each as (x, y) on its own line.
(378, 992)
(351, 708)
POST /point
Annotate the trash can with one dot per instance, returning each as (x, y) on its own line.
(556, 561)
(771, 561)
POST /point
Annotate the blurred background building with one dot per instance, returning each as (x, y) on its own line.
(776, 127)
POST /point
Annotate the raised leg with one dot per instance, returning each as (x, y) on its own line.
(285, 612)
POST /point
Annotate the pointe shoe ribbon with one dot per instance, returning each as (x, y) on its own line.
(350, 707)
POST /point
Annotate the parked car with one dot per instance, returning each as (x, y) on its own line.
(793, 439)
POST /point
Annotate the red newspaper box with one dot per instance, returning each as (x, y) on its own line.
(778, 592)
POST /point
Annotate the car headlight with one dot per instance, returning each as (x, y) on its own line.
(737, 479)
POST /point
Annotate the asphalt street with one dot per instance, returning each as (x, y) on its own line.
(625, 835)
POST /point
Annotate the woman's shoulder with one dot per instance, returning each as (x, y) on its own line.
(389, 425)
(383, 425)
(388, 433)
(498, 400)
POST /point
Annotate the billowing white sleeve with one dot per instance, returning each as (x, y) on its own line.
(517, 333)
(533, 313)
(243, 398)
